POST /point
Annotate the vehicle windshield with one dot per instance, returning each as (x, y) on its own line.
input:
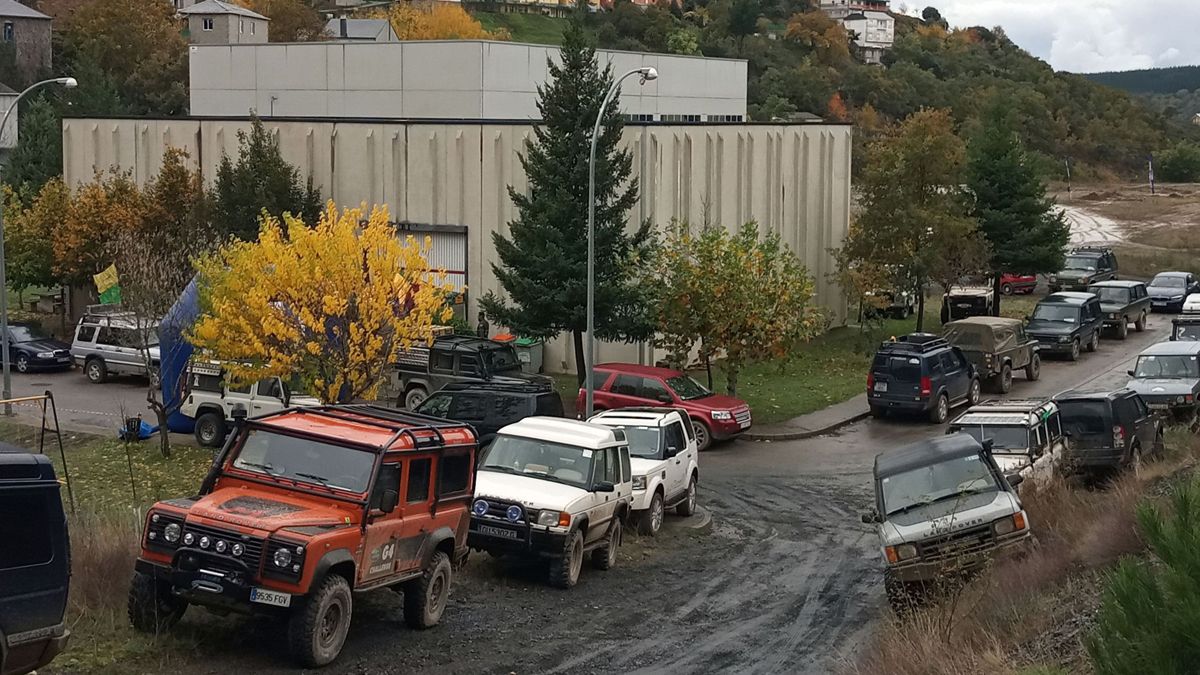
(1187, 332)
(643, 441)
(501, 360)
(688, 389)
(22, 333)
(1163, 281)
(1080, 262)
(305, 460)
(944, 480)
(1167, 367)
(1118, 296)
(1062, 313)
(568, 464)
(1003, 437)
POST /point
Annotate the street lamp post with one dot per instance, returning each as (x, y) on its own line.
(69, 83)
(647, 74)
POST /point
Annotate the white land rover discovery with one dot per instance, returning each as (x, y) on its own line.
(553, 488)
(665, 461)
(210, 401)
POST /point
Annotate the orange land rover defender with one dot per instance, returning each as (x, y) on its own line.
(303, 506)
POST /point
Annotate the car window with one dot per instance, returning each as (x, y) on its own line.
(418, 480)
(442, 361)
(653, 389)
(600, 467)
(612, 469)
(241, 388)
(935, 366)
(1126, 410)
(1143, 411)
(627, 385)
(1039, 435)
(600, 378)
(626, 472)
(1167, 367)
(388, 479)
(86, 333)
(1119, 296)
(901, 368)
(687, 389)
(1055, 312)
(1054, 426)
(454, 474)
(27, 519)
(437, 405)
(676, 437)
(107, 337)
(270, 388)
(468, 407)
(508, 407)
(1082, 418)
(949, 363)
(469, 363)
(950, 479)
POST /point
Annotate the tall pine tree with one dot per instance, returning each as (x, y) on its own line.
(543, 262)
(1026, 234)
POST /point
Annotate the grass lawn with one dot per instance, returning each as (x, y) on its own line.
(535, 28)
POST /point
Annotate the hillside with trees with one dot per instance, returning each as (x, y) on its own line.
(1151, 80)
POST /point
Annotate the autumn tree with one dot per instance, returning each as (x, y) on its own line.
(291, 20)
(331, 304)
(741, 296)
(29, 235)
(824, 36)
(913, 227)
(99, 211)
(259, 181)
(543, 259)
(435, 21)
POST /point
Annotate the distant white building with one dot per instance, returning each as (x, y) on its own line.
(872, 32)
(840, 9)
(361, 30)
(8, 140)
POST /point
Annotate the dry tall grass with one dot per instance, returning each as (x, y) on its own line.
(1032, 608)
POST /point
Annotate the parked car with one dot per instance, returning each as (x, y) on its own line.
(893, 304)
(1063, 323)
(111, 341)
(490, 406)
(996, 346)
(303, 508)
(556, 489)
(664, 459)
(1017, 283)
(1083, 267)
(211, 401)
(921, 374)
(1167, 377)
(35, 563)
(1123, 303)
(453, 358)
(1191, 304)
(1108, 430)
(1168, 290)
(942, 507)
(1185, 328)
(715, 417)
(30, 348)
(964, 301)
(1026, 437)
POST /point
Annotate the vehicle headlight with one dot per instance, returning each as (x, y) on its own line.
(901, 552)
(722, 415)
(189, 538)
(639, 482)
(282, 557)
(479, 508)
(1004, 526)
(1180, 399)
(1176, 297)
(171, 533)
(1053, 278)
(221, 546)
(554, 518)
(45, 355)
(1064, 338)
(237, 549)
(514, 513)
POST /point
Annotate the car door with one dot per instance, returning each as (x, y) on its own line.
(437, 405)
(1093, 317)
(416, 503)
(606, 467)
(267, 397)
(384, 531)
(677, 466)
(625, 391)
(108, 345)
(1145, 423)
(954, 374)
(472, 408)
(655, 391)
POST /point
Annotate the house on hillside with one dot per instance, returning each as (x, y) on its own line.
(840, 9)
(871, 26)
(361, 30)
(26, 32)
(213, 22)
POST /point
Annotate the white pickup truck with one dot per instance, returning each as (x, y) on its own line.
(665, 461)
(211, 401)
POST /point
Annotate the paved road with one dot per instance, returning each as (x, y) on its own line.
(83, 406)
(786, 581)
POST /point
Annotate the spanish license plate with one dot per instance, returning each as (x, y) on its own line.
(881, 387)
(274, 598)
(1158, 406)
(745, 424)
(1156, 303)
(498, 532)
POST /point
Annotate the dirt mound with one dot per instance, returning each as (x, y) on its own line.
(1101, 196)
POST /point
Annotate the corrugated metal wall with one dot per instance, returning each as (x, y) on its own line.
(794, 179)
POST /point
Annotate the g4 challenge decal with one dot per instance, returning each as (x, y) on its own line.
(383, 558)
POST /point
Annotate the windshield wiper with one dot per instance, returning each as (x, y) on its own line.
(270, 469)
(320, 479)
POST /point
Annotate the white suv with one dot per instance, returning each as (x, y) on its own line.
(553, 488)
(665, 461)
(210, 401)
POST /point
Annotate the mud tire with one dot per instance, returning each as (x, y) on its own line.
(425, 597)
(565, 568)
(604, 557)
(152, 608)
(317, 630)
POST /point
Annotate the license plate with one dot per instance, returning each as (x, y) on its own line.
(745, 424)
(273, 598)
(962, 305)
(63, 359)
(1159, 304)
(498, 532)
(881, 387)
(1158, 406)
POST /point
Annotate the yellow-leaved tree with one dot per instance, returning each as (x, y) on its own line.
(330, 305)
(436, 21)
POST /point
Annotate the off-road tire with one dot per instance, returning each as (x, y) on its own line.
(1135, 460)
(941, 410)
(1160, 444)
(210, 429)
(604, 557)
(1123, 329)
(96, 370)
(1033, 370)
(651, 519)
(425, 597)
(1140, 324)
(152, 608)
(703, 435)
(1073, 355)
(687, 507)
(1004, 381)
(317, 629)
(1095, 342)
(414, 397)
(565, 567)
(22, 363)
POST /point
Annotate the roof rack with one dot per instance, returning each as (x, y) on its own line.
(516, 386)
(401, 423)
(917, 343)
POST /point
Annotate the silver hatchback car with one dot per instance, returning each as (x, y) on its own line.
(109, 341)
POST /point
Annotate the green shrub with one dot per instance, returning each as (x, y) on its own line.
(1180, 164)
(1149, 621)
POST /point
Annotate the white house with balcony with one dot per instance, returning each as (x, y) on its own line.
(872, 32)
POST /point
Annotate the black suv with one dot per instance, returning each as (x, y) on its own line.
(1108, 430)
(491, 406)
(1066, 322)
(34, 563)
(1085, 266)
(922, 374)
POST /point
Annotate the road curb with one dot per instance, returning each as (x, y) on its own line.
(767, 437)
(699, 520)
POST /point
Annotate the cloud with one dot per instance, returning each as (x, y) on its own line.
(1090, 35)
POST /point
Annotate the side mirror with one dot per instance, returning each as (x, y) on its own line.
(871, 518)
(604, 486)
(1129, 372)
(388, 502)
(671, 452)
(665, 398)
(1015, 479)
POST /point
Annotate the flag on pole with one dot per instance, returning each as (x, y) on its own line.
(107, 286)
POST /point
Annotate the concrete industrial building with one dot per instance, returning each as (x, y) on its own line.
(458, 79)
(450, 179)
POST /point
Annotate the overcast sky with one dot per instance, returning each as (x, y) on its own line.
(1085, 36)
